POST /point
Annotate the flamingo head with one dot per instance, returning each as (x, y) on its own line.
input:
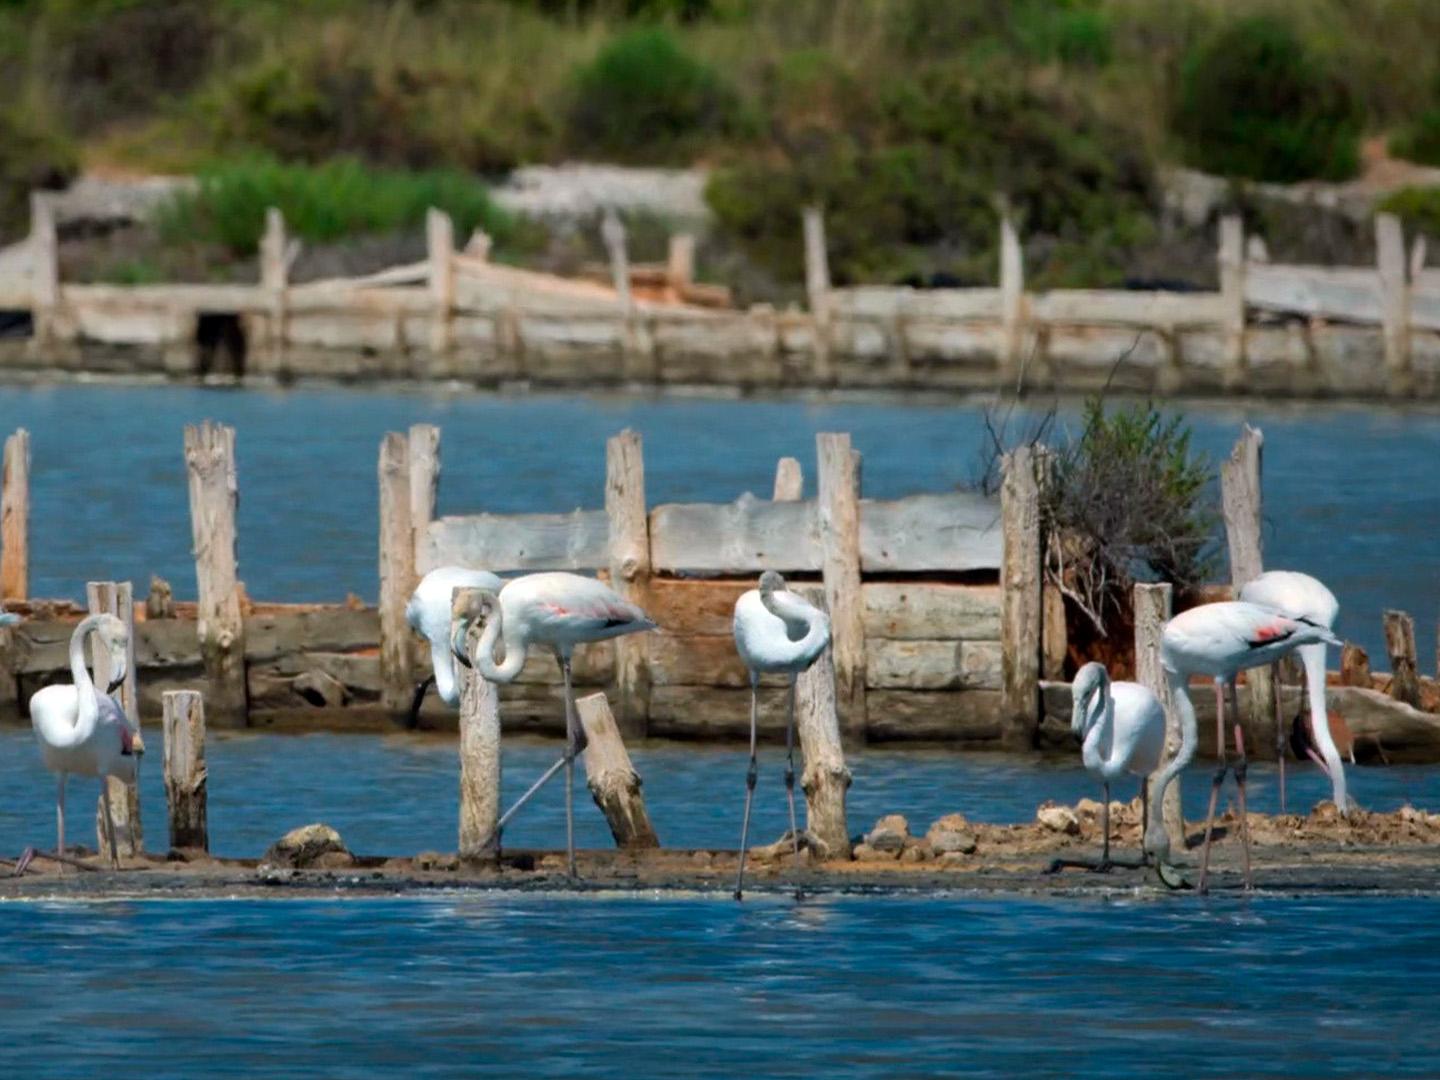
(132, 743)
(771, 582)
(468, 607)
(116, 639)
(1091, 682)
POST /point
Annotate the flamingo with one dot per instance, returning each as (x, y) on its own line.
(560, 611)
(1220, 640)
(775, 631)
(1123, 728)
(81, 730)
(428, 613)
(1302, 597)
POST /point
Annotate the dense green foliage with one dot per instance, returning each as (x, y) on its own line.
(1254, 103)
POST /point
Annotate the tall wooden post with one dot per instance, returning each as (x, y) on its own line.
(440, 250)
(839, 514)
(1153, 608)
(397, 573)
(1400, 644)
(1012, 298)
(274, 282)
(15, 519)
(680, 263)
(185, 774)
(817, 290)
(614, 784)
(629, 572)
(612, 231)
(423, 447)
(1395, 300)
(479, 742)
(1232, 295)
(44, 269)
(117, 599)
(789, 481)
(220, 626)
(1020, 600)
(1241, 502)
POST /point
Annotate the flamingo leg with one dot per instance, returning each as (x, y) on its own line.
(1244, 813)
(1144, 818)
(1215, 783)
(574, 743)
(109, 824)
(790, 764)
(1279, 729)
(60, 819)
(749, 782)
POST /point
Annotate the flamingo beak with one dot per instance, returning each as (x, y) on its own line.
(456, 637)
(115, 683)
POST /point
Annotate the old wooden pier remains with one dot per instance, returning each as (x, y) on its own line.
(459, 317)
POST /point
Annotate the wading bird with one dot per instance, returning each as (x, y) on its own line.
(1301, 597)
(1220, 641)
(776, 631)
(558, 611)
(1122, 725)
(83, 731)
(428, 613)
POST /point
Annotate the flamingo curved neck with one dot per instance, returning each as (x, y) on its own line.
(1313, 657)
(797, 615)
(1095, 751)
(1189, 734)
(87, 714)
(509, 668)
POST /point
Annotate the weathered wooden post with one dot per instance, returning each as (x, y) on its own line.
(397, 573)
(680, 263)
(1395, 301)
(117, 599)
(629, 572)
(1153, 607)
(817, 290)
(1400, 644)
(1054, 632)
(44, 270)
(423, 447)
(220, 626)
(1012, 298)
(440, 251)
(15, 519)
(612, 231)
(612, 779)
(479, 743)
(824, 777)
(160, 601)
(1355, 667)
(274, 282)
(1241, 502)
(839, 519)
(1232, 295)
(185, 773)
(1020, 599)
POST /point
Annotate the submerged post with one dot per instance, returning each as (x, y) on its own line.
(1153, 607)
(1400, 644)
(397, 573)
(1020, 600)
(612, 779)
(817, 290)
(15, 519)
(629, 572)
(220, 625)
(1241, 502)
(839, 518)
(479, 743)
(117, 599)
(185, 774)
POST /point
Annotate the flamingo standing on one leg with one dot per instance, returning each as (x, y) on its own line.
(557, 610)
(776, 631)
(1123, 728)
(81, 730)
(1305, 599)
(1220, 640)
(428, 613)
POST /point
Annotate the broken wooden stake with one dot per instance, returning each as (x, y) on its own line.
(397, 574)
(117, 599)
(629, 551)
(15, 519)
(613, 781)
(1355, 667)
(1241, 503)
(1400, 644)
(185, 773)
(1153, 606)
(1020, 601)
(479, 740)
(839, 516)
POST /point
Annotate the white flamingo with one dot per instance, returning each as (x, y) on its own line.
(1220, 641)
(1122, 725)
(428, 613)
(776, 631)
(1305, 599)
(559, 611)
(80, 730)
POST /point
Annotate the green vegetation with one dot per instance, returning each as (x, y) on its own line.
(1418, 208)
(32, 155)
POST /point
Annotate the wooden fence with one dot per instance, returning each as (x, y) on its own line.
(459, 316)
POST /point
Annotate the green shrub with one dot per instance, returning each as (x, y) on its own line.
(1417, 207)
(643, 98)
(1419, 140)
(1254, 103)
(323, 203)
(33, 155)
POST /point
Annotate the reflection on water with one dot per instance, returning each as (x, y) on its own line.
(1349, 493)
(504, 985)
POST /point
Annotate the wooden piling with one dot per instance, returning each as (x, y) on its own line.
(117, 598)
(839, 519)
(680, 263)
(160, 601)
(423, 447)
(1020, 601)
(44, 270)
(1232, 296)
(479, 743)
(1012, 300)
(817, 291)
(629, 572)
(1241, 503)
(612, 779)
(612, 231)
(789, 481)
(1154, 605)
(185, 773)
(440, 253)
(274, 282)
(220, 626)
(1400, 644)
(397, 574)
(1355, 667)
(15, 519)
(1394, 301)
